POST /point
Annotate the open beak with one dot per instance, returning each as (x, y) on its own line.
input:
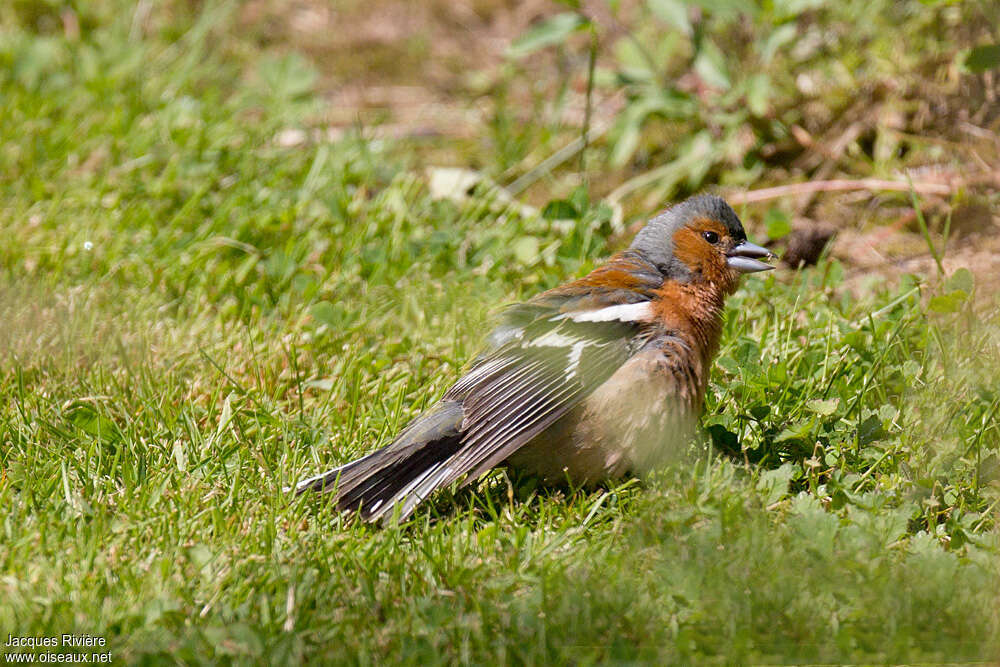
(743, 258)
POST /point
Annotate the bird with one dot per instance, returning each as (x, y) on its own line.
(599, 378)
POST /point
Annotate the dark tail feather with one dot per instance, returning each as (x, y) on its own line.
(402, 473)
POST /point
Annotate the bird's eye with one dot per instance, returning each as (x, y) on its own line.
(711, 237)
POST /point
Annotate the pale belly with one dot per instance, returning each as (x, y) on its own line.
(642, 418)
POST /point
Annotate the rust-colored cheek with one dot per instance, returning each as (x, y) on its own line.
(704, 259)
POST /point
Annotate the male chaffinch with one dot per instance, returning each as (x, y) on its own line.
(600, 377)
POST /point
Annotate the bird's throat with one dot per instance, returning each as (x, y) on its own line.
(693, 311)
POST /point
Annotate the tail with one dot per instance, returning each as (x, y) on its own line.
(402, 473)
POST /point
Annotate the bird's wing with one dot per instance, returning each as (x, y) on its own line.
(546, 356)
(620, 290)
(543, 363)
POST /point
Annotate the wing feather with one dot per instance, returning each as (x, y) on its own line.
(547, 370)
(544, 357)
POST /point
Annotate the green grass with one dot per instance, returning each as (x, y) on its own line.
(194, 317)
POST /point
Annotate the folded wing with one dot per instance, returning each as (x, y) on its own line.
(540, 362)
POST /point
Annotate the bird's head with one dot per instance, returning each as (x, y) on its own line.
(700, 240)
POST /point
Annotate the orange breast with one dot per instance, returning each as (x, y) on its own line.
(693, 311)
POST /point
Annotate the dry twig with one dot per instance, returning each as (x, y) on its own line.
(837, 185)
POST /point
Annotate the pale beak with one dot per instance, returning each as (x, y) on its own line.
(742, 257)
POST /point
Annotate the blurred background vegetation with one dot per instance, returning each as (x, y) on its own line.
(243, 241)
(640, 102)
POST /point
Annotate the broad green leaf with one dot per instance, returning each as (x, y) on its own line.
(723, 438)
(747, 354)
(289, 77)
(824, 408)
(888, 412)
(962, 280)
(870, 430)
(631, 64)
(777, 224)
(781, 36)
(668, 103)
(671, 12)
(323, 384)
(698, 157)
(526, 249)
(553, 30)
(580, 199)
(628, 139)
(728, 364)
(759, 93)
(947, 303)
(560, 209)
(710, 64)
(983, 58)
(774, 483)
(324, 312)
(799, 431)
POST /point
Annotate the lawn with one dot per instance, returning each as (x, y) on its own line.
(196, 313)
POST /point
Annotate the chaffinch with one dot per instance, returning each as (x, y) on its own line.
(600, 377)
